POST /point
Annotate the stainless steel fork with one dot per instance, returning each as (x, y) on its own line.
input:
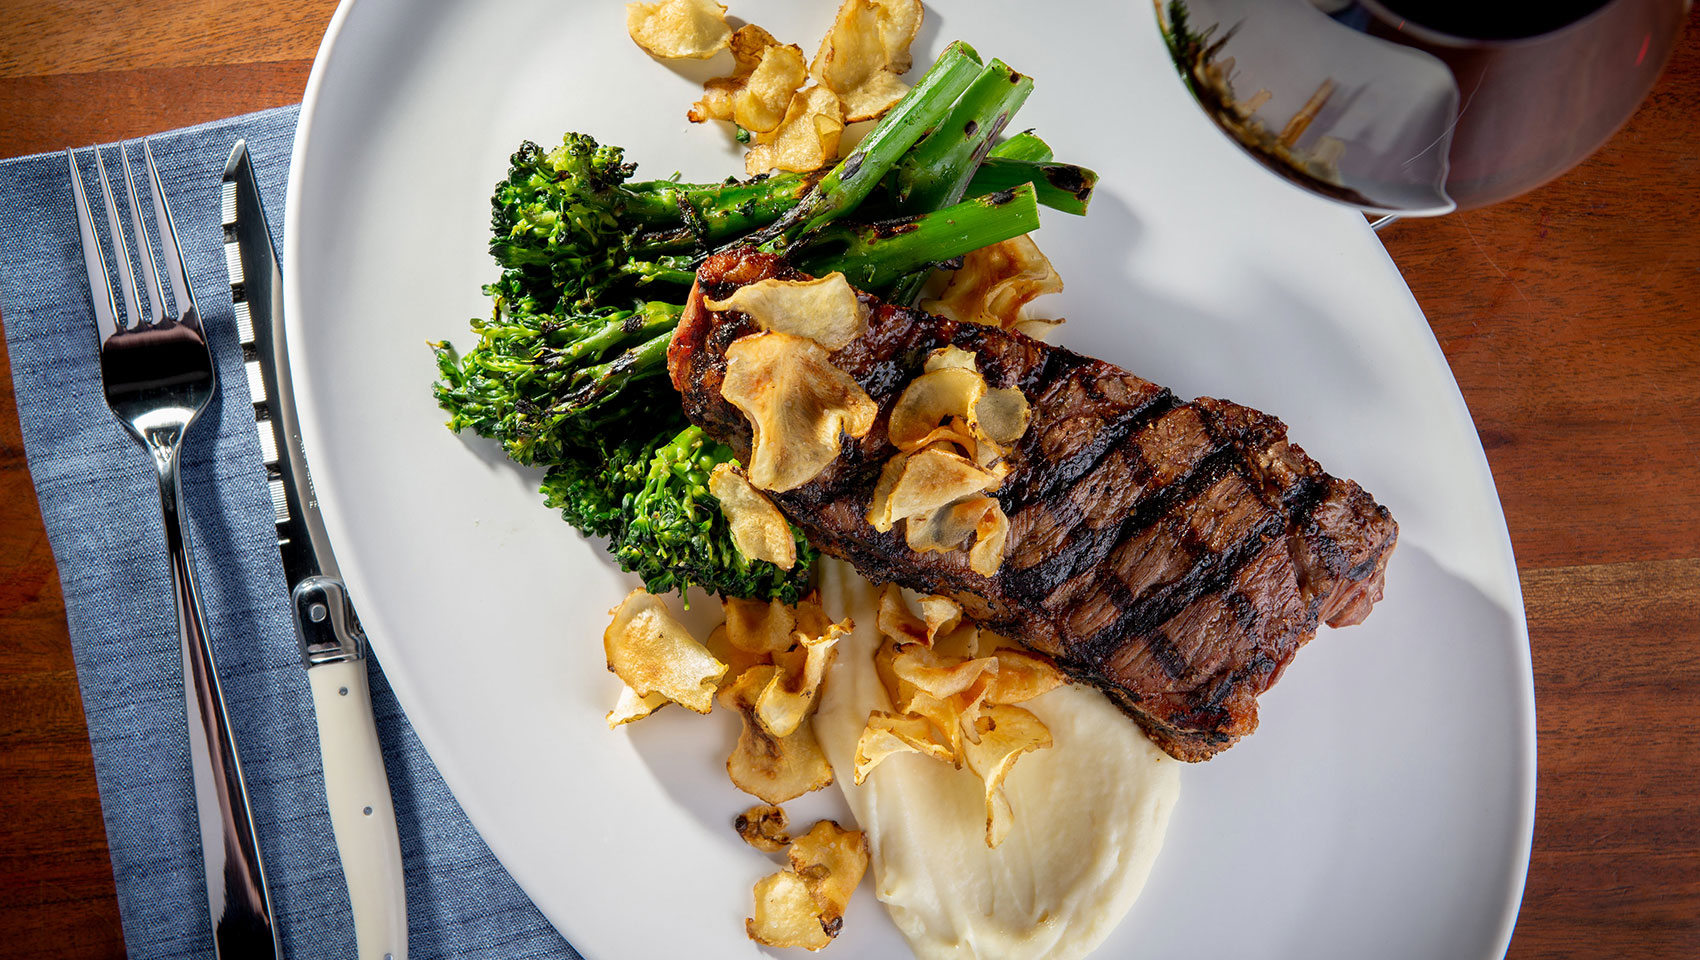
(158, 375)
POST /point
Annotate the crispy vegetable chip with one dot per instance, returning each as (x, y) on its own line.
(940, 676)
(748, 44)
(915, 484)
(888, 734)
(759, 530)
(831, 861)
(760, 105)
(673, 29)
(897, 621)
(631, 707)
(775, 769)
(737, 660)
(950, 401)
(758, 627)
(995, 283)
(1022, 675)
(766, 75)
(825, 310)
(863, 54)
(990, 535)
(763, 827)
(1004, 734)
(786, 914)
(942, 614)
(930, 398)
(807, 139)
(716, 102)
(799, 404)
(786, 701)
(654, 653)
(1002, 414)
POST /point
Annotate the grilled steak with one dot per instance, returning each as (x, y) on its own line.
(1176, 555)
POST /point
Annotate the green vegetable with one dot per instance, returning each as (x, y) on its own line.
(568, 371)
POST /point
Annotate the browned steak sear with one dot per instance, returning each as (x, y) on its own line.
(1176, 555)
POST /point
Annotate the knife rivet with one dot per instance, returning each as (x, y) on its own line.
(342, 691)
(316, 613)
(368, 811)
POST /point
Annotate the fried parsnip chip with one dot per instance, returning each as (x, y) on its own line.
(786, 914)
(788, 698)
(1004, 734)
(1022, 675)
(674, 29)
(897, 621)
(737, 659)
(775, 769)
(631, 707)
(831, 861)
(888, 734)
(946, 527)
(799, 404)
(940, 676)
(761, 103)
(654, 653)
(825, 310)
(748, 44)
(929, 399)
(951, 401)
(862, 56)
(763, 827)
(884, 657)
(759, 530)
(766, 75)
(942, 614)
(911, 485)
(807, 139)
(995, 283)
(990, 534)
(757, 627)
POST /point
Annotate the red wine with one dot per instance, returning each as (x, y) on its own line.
(1492, 19)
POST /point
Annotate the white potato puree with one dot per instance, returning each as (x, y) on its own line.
(1090, 814)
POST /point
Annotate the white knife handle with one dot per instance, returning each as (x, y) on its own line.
(362, 817)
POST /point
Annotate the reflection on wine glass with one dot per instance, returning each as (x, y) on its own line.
(1419, 107)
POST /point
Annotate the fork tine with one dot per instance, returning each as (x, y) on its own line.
(181, 293)
(150, 270)
(120, 248)
(100, 283)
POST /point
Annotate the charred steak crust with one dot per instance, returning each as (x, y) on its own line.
(1175, 555)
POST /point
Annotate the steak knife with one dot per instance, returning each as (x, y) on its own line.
(333, 647)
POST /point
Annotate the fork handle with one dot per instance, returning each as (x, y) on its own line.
(237, 897)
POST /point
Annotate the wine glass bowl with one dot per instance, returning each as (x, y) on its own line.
(1419, 107)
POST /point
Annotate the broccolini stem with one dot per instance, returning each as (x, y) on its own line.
(874, 256)
(937, 171)
(593, 386)
(1061, 186)
(1025, 145)
(715, 211)
(850, 181)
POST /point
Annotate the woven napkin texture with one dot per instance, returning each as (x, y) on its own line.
(100, 503)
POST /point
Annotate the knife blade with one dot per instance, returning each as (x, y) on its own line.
(332, 644)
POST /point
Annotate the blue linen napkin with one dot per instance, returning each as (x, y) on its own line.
(100, 503)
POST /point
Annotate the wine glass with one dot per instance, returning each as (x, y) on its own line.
(1419, 107)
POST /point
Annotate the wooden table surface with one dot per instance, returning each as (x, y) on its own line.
(1571, 318)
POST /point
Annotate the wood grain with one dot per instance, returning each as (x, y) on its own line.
(1571, 319)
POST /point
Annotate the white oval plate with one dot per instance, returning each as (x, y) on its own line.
(1384, 808)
